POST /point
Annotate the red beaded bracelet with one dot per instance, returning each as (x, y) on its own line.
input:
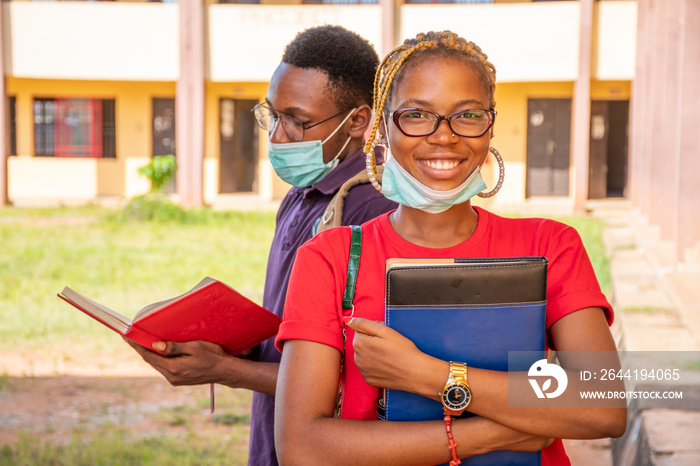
(451, 441)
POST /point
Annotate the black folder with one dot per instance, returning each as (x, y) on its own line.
(467, 310)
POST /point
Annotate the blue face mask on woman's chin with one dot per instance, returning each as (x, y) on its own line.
(301, 163)
(400, 186)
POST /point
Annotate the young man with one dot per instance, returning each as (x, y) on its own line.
(317, 109)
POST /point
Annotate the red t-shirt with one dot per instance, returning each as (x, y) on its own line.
(313, 307)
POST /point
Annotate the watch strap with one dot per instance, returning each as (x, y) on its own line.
(458, 373)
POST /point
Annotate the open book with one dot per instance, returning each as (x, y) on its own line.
(211, 311)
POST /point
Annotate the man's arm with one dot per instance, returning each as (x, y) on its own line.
(202, 362)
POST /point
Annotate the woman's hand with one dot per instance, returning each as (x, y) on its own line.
(387, 359)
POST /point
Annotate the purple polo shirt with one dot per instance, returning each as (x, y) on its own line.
(300, 210)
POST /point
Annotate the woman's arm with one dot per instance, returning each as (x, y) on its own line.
(386, 359)
(306, 432)
(584, 331)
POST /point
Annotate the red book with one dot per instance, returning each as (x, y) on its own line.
(211, 311)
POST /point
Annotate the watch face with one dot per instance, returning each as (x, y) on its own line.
(456, 397)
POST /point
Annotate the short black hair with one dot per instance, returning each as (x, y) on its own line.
(348, 60)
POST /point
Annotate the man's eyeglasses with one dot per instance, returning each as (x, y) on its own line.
(416, 122)
(268, 118)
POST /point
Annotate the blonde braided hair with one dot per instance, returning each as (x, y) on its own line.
(435, 43)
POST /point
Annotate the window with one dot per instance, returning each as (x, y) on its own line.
(238, 146)
(163, 134)
(163, 126)
(13, 126)
(74, 128)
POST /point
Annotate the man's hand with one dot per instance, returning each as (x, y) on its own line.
(189, 363)
(202, 362)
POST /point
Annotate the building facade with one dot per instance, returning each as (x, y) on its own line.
(95, 89)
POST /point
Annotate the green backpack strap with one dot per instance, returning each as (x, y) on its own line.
(349, 297)
(353, 266)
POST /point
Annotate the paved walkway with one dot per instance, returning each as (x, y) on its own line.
(657, 304)
(658, 301)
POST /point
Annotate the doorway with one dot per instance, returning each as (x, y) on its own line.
(163, 132)
(548, 142)
(607, 172)
(238, 143)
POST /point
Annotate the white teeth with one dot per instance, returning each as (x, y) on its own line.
(440, 164)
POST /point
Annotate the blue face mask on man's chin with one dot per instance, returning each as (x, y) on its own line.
(301, 163)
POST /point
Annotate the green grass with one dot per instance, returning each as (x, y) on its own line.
(591, 231)
(126, 264)
(119, 262)
(647, 310)
(120, 447)
(693, 365)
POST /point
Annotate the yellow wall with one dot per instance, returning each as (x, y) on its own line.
(68, 179)
(215, 91)
(510, 133)
(114, 177)
(611, 90)
(510, 129)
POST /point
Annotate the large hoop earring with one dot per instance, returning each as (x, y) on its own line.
(501, 173)
(371, 164)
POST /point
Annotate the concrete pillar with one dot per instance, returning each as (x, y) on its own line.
(639, 107)
(661, 172)
(189, 104)
(389, 27)
(648, 58)
(669, 155)
(688, 129)
(665, 128)
(581, 109)
(4, 118)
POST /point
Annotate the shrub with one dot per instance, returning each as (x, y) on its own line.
(161, 171)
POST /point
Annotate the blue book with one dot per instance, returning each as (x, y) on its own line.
(467, 310)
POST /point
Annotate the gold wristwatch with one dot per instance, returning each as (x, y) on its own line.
(456, 395)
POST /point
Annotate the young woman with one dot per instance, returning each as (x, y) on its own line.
(434, 98)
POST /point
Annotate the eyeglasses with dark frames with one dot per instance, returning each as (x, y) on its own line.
(417, 122)
(268, 118)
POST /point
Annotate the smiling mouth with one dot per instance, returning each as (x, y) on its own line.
(441, 164)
